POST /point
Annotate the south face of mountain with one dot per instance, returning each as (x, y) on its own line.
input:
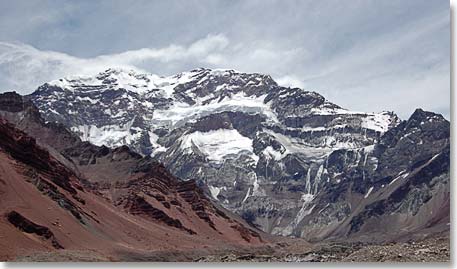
(285, 159)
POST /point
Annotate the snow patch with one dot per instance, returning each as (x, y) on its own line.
(108, 135)
(369, 191)
(379, 122)
(183, 112)
(219, 144)
(402, 174)
(215, 191)
(155, 146)
(269, 152)
(247, 195)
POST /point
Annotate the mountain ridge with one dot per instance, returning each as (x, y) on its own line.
(266, 152)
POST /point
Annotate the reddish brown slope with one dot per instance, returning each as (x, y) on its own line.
(44, 207)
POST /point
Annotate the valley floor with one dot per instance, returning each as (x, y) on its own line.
(428, 250)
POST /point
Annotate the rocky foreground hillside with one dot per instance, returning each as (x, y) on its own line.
(55, 199)
(287, 160)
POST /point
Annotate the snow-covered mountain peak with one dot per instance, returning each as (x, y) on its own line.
(118, 79)
(213, 80)
(249, 140)
(147, 112)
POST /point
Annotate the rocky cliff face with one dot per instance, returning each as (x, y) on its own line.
(286, 159)
(400, 184)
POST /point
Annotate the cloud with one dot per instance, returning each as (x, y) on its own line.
(197, 51)
(290, 81)
(366, 55)
(23, 67)
(399, 71)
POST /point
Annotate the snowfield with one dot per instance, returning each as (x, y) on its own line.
(219, 144)
(125, 95)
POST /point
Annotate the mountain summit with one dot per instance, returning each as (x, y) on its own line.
(286, 159)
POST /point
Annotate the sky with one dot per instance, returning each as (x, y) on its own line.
(364, 55)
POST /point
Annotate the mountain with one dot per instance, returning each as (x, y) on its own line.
(285, 159)
(96, 203)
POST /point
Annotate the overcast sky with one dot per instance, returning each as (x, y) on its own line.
(363, 55)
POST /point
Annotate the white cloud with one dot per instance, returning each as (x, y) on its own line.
(23, 67)
(399, 69)
(197, 50)
(290, 81)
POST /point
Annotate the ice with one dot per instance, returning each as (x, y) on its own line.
(247, 195)
(369, 191)
(295, 145)
(379, 122)
(306, 197)
(320, 211)
(215, 191)
(217, 144)
(303, 212)
(125, 79)
(308, 181)
(53, 111)
(402, 174)
(434, 157)
(368, 149)
(109, 135)
(330, 111)
(334, 143)
(269, 152)
(256, 191)
(318, 177)
(314, 129)
(156, 147)
(182, 112)
(92, 101)
(151, 85)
